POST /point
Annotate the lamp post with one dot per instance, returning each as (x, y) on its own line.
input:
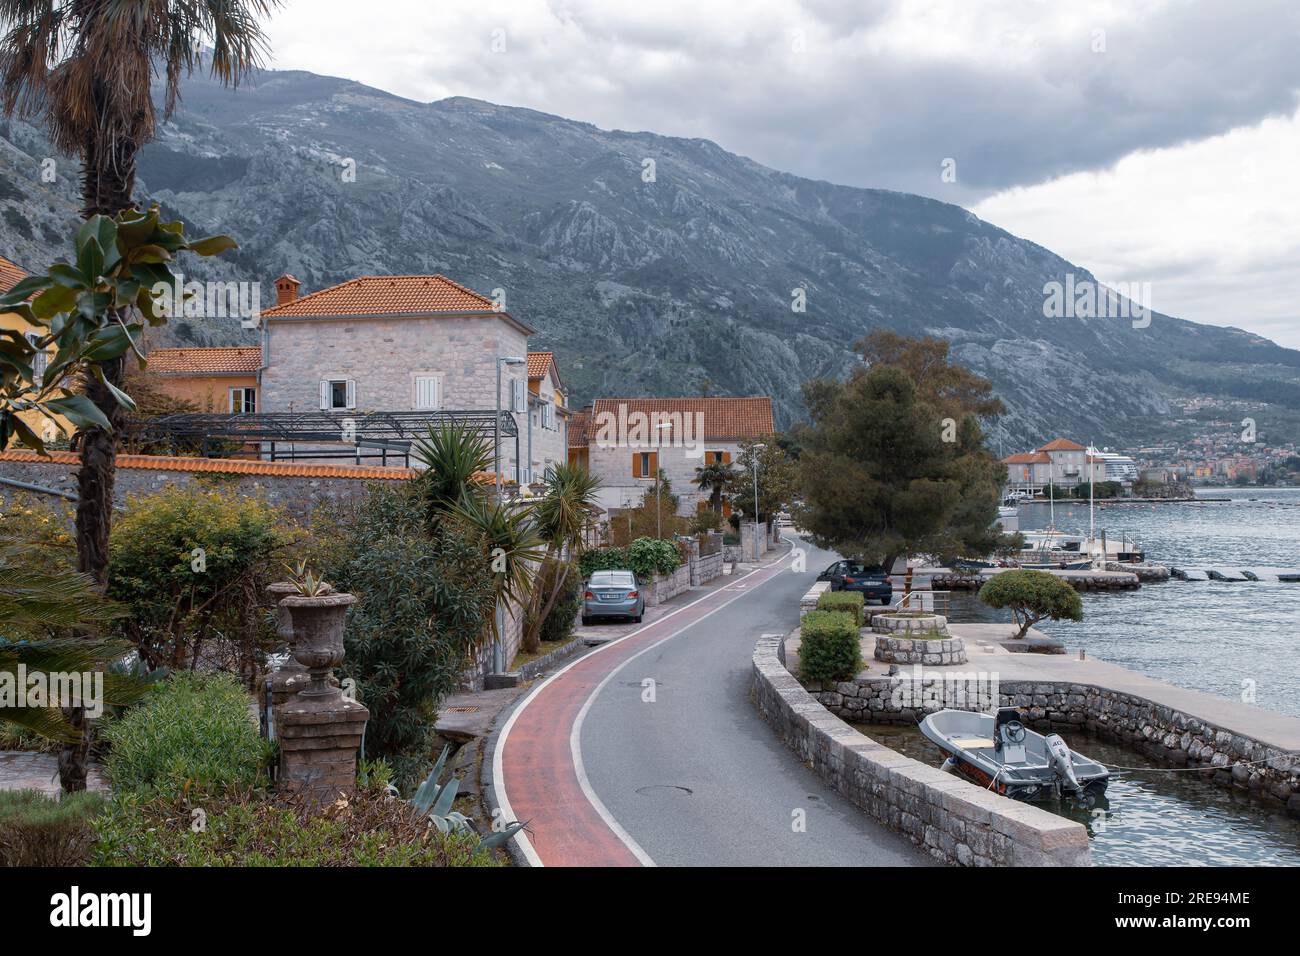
(497, 651)
(496, 422)
(659, 445)
(755, 449)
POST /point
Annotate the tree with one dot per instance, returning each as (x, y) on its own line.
(888, 469)
(86, 311)
(86, 68)
(562, 514)
(777, 477)
(1031, 597)
(955, 389)
(713, 478)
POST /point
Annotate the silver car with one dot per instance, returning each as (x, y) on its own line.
(612, 594)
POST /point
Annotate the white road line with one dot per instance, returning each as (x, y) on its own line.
(498, 774)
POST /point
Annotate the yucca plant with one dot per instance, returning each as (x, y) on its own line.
(453, 455)
(434, 800)
(562, 514)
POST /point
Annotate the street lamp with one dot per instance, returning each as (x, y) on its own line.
(497, 651)
(659, 444)
(496, 422)
(755, 449)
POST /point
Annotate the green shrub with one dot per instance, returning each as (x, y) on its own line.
(193, 567)
(644, 557)
(36, 830)
(850, 602)
(1032, 596)
(828, 647)
(558, 625)
(192, 730)
(257, 828)
(424, 602)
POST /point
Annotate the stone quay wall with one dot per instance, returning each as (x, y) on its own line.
(953, 820)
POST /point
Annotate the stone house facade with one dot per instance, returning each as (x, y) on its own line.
(627, 440)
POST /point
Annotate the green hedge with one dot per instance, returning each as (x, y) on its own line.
(828, 647)
(257, 828)
(644, 557)
(191, 731)
(36, 830)
(850, 602)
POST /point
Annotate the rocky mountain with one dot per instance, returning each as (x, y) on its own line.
(651, 264)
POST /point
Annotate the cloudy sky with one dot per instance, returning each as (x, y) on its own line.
(1147, 140)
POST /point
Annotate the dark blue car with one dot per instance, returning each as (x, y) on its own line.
(871, 581)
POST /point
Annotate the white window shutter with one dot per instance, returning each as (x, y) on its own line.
(324, 395)
(352, 394)
(517, 395)
(437, 393)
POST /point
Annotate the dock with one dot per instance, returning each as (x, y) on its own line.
(1236, 575)
(947, 579)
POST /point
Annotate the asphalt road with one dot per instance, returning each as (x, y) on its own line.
(696, 777)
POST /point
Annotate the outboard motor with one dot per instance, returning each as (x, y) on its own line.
(1058, 755)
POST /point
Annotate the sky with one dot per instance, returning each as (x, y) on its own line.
(1149, 141)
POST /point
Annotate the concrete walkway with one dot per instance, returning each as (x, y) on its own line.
(23, 770)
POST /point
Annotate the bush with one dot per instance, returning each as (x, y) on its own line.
(1032, 596)
(36, 830)
(828, 647)
(558, 625)
(850, 602)
(193, 567)
(191, 731)
(644, 557)
(255, 828)
(424, 602)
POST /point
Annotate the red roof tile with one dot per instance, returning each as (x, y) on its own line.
(385, 295)
(578, 423)
(1061, 444)
(206, 361)
(232, 466)
(10, 275)
(724, 417)
(1028, 458)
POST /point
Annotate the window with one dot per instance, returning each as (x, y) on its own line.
(518, 390)
(428, 392)
(548, 415)
(338, 393)
(243, 401)
(645, 464)
(40, 361)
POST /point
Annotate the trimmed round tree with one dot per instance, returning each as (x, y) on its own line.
(1032, 596)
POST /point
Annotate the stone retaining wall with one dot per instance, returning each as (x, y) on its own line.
(953, 820)
(1156, 730)
(705, 569)
(664, 587)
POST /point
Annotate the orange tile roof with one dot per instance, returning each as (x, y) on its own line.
(206, 361)
(1028, 458)
(538, 363)
(724, 418)
(385, 295)
(10, 275)
(232, 466)
(578, 423)
(1061, 444)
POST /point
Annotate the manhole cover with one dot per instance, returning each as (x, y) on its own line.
(656, 788)
(470, 709)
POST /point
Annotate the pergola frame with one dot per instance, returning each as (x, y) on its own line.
(380, 434)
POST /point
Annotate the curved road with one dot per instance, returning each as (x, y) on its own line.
(649, 751)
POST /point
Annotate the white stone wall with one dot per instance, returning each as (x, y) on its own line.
(550, 445)
(385, 355)
(618, 489)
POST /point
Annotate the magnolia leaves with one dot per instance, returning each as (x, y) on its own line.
(87, 312)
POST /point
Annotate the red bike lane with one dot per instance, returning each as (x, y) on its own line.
(537, 762)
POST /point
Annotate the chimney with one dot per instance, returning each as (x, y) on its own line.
(286, 289)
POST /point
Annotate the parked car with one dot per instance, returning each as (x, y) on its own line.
(612, 594)
(872, 581)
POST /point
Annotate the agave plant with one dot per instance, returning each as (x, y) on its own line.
(307, 582)
(434, 800)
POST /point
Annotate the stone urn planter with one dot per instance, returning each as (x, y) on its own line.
(318, 637)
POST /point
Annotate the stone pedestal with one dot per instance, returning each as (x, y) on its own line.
(319, 737)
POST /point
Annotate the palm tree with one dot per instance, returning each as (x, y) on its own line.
(712, 478)
(85, 67)
(40, 606)
(562, 516)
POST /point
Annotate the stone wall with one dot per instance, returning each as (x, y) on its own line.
(952, 820)
(298, 489)
(705, 569)
(664, 587)
(1179, 738)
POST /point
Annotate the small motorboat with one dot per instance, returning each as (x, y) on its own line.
(1000, 753)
